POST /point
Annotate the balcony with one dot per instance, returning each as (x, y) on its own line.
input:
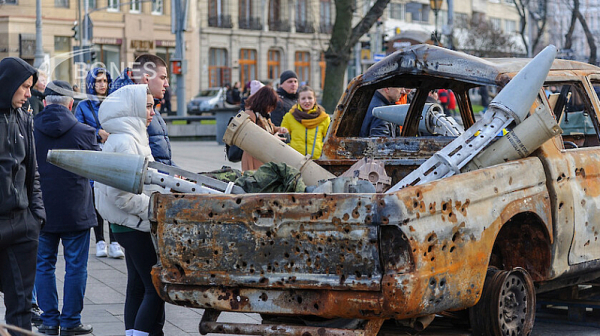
(220, 21)
(278, 25)
(252, 23)
(326, 27)
(304, 27)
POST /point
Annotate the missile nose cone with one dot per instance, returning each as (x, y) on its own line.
(519, 94)
(119, 170)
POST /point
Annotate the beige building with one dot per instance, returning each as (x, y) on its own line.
(258, 39)
(226, 40)
(121, 31)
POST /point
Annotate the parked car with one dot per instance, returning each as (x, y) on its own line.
(209, 100)
(478, 245)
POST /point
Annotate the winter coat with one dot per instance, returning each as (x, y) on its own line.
(67, 196)
(305, 137)
(249, 162)
(87, 110)
(123, 115)
(36, 101)
(157, 130)
(375, 127)
(285, 102)
(19, 178)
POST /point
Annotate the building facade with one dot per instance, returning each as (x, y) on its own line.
(121, 31)
(243, 40)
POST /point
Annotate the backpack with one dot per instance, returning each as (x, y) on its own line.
(233, 152)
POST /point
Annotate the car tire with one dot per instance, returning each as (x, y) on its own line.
(507, 304)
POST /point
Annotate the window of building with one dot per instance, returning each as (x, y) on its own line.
(247, 65)
(418, 11)
(322, 68)
(246, 17)
(62, 62)
(113, 6)
(273, 64)
(326, 21)
(157, 7)
(510, 26)
(301, 11)
(110, 57)
(302, 66)
(61, 3)
(496, 23)
(217, 16)
(219, 72)
(92, 4)
(10, 2)
(135, 6)
(397, 11)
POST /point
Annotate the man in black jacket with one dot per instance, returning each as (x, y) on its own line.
(288, 96)
(21, 207)
(70, 213)
(375, 127)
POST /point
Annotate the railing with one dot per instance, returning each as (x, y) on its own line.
(278, 25)
(325, 28)
(220, 21)
(252, 23)
(304, 27)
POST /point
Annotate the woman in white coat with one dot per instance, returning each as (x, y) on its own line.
(125, 114)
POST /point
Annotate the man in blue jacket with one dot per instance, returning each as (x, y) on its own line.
(69, 213)
(375, 127)
(152, 70)
(21, 207)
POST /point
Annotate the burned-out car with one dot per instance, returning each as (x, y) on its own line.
(486, 240)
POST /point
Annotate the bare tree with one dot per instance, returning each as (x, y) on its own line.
(577, 16)
(343, 39)
(534, 13)
(484, 40)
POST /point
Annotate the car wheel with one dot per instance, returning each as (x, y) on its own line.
(507, 304)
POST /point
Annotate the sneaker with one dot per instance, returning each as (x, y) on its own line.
(48, 330)
(36, 315)
(101, 249)
(81, 329)
(115, 251)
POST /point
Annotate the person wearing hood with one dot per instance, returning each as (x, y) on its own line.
(97, 84)
(21, 207)
(36, 102)
(151, 70)
(287, 93)
(70, 213)
(126, 114)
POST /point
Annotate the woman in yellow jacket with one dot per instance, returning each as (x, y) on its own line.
(307, 123)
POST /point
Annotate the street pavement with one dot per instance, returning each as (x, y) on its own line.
(105, 293)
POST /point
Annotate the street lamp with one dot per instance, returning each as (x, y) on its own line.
(435, 5)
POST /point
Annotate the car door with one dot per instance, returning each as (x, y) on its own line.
(577, 176)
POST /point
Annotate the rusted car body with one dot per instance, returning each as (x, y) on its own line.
(422, 250)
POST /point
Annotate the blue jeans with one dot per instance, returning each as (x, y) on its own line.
(76, 250)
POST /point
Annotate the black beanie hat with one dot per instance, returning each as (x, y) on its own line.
(287, 75)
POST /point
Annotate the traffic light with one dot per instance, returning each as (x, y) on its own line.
(75, 30)
(384, 44)
(93, 55)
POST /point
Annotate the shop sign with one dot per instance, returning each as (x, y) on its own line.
(142, 44)
(107, 40)
(166, 43)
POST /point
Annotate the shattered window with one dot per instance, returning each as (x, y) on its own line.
(574, 113)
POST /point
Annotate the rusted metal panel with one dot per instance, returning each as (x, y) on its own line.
(269, 240)
(432, 244)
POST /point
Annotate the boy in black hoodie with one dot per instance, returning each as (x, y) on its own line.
(21, 207)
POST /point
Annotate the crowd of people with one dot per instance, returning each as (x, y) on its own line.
(42, 206)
